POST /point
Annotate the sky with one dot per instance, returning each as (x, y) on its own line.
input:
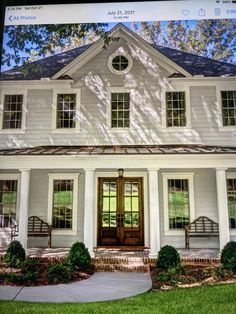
(23, 54)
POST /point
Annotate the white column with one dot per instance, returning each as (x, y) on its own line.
(89, 209)
(222, 201)
(154, 214)
(24, 205)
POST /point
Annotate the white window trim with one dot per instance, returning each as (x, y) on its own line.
(17, 177)
(231, 175)
(219, 105)
(54, 110)
(188, 126)
(14, 91)
(115, 54)
(64, 176)
(119, 90)
(166, 177)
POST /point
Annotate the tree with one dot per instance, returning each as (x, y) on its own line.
(30, 42)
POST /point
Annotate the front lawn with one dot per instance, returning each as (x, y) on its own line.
(214, 299)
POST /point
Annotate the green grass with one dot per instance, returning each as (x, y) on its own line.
(207, 300)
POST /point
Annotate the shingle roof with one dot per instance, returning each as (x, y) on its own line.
(193, 64)
(119, 150)
(46, 67)
(197, 65)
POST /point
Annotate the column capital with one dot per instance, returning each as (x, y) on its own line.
(221, 169)
(89, 169)
(24, 170)
(153, 169)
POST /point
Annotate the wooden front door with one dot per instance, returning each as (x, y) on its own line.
(120, 211)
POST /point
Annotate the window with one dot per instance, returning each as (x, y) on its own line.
(231, 187)
(8, 202)
(178, 201)
(12, 112)
(120, 110)
(66, 110)
(175, 109)
(228, 99)
(62, 202)
(120, 62)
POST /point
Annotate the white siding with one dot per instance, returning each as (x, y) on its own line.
(145, 82)
(205, 205)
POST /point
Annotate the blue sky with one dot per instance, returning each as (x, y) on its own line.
(110, 26)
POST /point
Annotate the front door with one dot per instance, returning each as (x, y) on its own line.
(120, 211)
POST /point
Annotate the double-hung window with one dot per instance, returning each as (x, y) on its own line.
(62, 202)
(12, 112)
(178, 200)
(120, 110)
(175, 109)
(231, 187)
(8, 199)
(228, 101)
(66, 111)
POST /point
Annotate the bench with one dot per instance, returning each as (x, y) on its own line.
(36, 228)
(201, 227)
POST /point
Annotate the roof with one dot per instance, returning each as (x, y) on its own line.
(119, 150)
(193, 64)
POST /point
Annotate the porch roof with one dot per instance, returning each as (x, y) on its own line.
(119, 150)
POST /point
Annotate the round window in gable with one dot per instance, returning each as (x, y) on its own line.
(120, 63)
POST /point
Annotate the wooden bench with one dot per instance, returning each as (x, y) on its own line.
(201, 227)
(36, 228)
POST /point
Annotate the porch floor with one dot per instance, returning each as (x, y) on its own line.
(58, 253)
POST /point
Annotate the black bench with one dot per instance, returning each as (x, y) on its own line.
(36, 228)
(201, 227)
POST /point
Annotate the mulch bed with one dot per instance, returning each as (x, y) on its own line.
(191, 276)
(40, 281)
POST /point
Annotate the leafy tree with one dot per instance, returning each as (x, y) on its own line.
(29, 42)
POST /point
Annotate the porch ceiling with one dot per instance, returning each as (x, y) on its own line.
(119, 150)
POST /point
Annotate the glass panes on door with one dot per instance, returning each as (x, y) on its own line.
(231, 186)
(131, 204)
(8, 198)
(178, 203)
(109, 204)
(62, 204)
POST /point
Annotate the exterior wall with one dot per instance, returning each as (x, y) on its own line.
(38, 206)
(205, 198)
(146, 82)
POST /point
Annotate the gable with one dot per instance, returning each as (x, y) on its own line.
(140, 48)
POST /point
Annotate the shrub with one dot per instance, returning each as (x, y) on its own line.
(15, 254)
(21, 279)
(58, 273)
(79, 256)
(228, 256)
(168, 257)
(30, 265)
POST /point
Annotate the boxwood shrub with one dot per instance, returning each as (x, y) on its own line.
(79, 256)
(58, 273)
(168, 257)
(228, 256)
(15, 254)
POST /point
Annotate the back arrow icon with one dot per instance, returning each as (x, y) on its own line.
(10, 18)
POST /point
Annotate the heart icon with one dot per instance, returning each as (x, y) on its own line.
(185, 12)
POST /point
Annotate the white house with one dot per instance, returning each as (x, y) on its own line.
(167, 118)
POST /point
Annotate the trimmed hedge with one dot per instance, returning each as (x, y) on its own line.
(58, 273)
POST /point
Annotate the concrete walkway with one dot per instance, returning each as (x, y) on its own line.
(102, 286)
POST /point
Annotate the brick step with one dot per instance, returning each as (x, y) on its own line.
(98, 260)
(120, 267)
